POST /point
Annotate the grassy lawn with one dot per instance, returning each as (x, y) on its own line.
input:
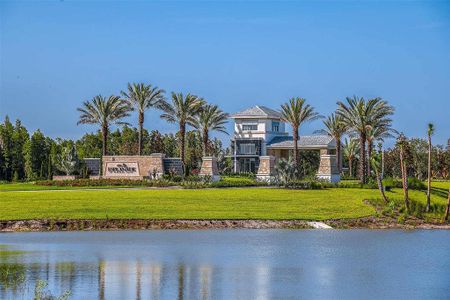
(242, 203)
(29, 186)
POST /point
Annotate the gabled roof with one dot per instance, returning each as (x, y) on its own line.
(257, 111)
(305, 141)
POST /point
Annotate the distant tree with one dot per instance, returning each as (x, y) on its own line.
(67, 161)
(351, 149)
(210, 118)
(336, 128)
(430, 132)
(90, 145)
(193, 150)
(182, 111)
(6, 140)
(19, 138)
(36, 155)
(143, 97)
(378, 130)
(375, 161)
(129, 141)
(104, 112)
(155, 143)
(296, 112)
(170, 145)
(402, 143)
(358, 114)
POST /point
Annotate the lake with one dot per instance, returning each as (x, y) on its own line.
(230, 264)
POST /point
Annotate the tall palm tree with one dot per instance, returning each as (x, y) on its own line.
(296, 112)
(143, 97)
(210, 118)
(104, 112)
(182, 111)
(402, 144)
(375, 161)
(430, 132)
(351, 149)
(357, 114)
(378, 131)
(336, 128)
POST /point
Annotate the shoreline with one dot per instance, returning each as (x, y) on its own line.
(155, 224)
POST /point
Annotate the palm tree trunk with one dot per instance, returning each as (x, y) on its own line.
(182, 143)
(380, 186)
(104, 139)
(369, 155)
(429, 176)
(350, 167)
(141, 126)
(338, 154)
(295, 133)
(205, 142)
(404, 178)
(362, 158)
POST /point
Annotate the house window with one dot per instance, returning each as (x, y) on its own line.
(275, 126)
(247, 149)
(247, 127)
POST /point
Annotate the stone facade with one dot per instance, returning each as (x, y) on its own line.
(209, 168)
(328, 169)
(151, 166)
(266, 169)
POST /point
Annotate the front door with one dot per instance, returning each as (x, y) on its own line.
(248, 165)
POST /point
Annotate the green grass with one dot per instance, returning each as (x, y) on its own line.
(30, 186)
(441, 184)
(242, 203)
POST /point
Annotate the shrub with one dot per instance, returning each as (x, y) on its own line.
(236, 182)
(106, 182)
(241, 175)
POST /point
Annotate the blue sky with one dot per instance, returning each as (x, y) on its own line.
(56, 54)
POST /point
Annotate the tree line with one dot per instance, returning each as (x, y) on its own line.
(33, 156)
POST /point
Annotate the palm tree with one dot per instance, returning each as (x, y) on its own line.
(210, 118)
(351, 149)
(143, 97)
(296, 112)
(430, 132)
(357, 114)
(402, 144)
(335, 127)
(182, 111)
(378, 131)
(375, 161)
(104, 112)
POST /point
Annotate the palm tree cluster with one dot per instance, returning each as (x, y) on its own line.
(368, 120)
(184, 110)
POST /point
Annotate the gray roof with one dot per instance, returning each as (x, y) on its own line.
(305, 141)
(257, 111)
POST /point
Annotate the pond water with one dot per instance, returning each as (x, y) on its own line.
(230, 264)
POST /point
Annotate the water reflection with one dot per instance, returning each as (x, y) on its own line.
(229, 265)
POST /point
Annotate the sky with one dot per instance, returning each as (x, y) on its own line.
(56, 54)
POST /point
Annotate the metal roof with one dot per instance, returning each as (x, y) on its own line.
(257, 111)
(305, 141)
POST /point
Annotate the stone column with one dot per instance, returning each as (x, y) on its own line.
(156, 168)
(209, 168)
(266, 169)
(328, 169)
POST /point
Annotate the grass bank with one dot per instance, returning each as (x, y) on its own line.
(207, 204)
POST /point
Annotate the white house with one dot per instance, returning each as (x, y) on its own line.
(260, 132)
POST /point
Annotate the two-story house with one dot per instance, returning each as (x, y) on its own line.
(253, 129)
(260, 132)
